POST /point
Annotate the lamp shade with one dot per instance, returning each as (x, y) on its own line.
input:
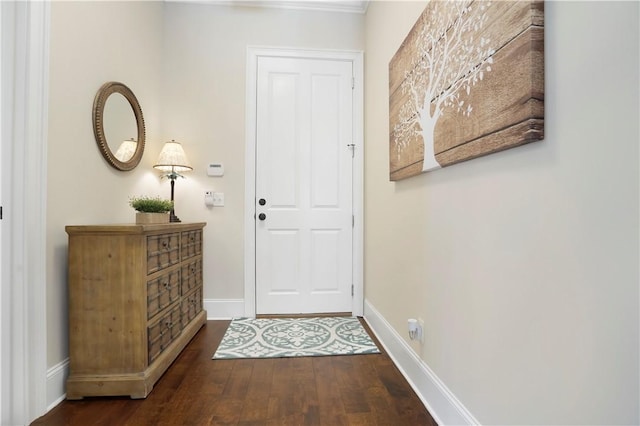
(126, 150)
(172, 158)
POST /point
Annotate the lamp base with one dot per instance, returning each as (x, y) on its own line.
(174, 218)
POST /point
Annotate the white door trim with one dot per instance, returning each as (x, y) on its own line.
(356, 57)
(25, 71)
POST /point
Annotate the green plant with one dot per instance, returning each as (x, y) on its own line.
(151, 205)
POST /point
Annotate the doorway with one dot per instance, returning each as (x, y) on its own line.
(303, 206)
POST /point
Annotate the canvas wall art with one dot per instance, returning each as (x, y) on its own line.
(467, 81)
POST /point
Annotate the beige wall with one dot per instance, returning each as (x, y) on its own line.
(523, 264)
(92, 43)
(204, 106)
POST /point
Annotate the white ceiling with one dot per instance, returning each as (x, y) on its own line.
(347, 6)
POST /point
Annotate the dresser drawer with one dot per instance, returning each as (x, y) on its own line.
(191, 242)
(191, 276)
(162, 292)
(162, 251)
(191, 306)
(163, 332)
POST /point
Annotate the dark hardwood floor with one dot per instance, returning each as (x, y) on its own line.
(196, 390)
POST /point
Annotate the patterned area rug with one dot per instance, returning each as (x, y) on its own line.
(289, 337)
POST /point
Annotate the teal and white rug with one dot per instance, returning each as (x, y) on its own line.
(289, 337)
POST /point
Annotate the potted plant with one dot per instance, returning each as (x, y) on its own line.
(151, 210)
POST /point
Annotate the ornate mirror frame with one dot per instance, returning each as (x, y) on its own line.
(99, 102)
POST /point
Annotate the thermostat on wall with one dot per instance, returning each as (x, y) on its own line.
(215, 169)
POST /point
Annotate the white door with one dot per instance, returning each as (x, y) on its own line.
(303, 186)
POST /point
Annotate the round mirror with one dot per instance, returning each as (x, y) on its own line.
(119, 133)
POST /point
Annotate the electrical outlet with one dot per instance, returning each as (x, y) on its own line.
(415, 329)
(218, 199)
(421, 328)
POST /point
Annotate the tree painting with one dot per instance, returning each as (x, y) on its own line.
(446, 52)
(468, 80)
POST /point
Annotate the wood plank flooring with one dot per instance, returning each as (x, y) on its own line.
(196, 390)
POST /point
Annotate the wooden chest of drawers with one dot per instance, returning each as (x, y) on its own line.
(135, 301)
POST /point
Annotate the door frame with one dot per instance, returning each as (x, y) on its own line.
(356, 57)
(23, 344)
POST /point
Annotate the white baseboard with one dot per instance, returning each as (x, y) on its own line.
(439, 400)
(56, 379)
(224, 308)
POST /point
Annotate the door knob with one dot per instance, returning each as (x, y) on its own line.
(262, 216)
(262, 201)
